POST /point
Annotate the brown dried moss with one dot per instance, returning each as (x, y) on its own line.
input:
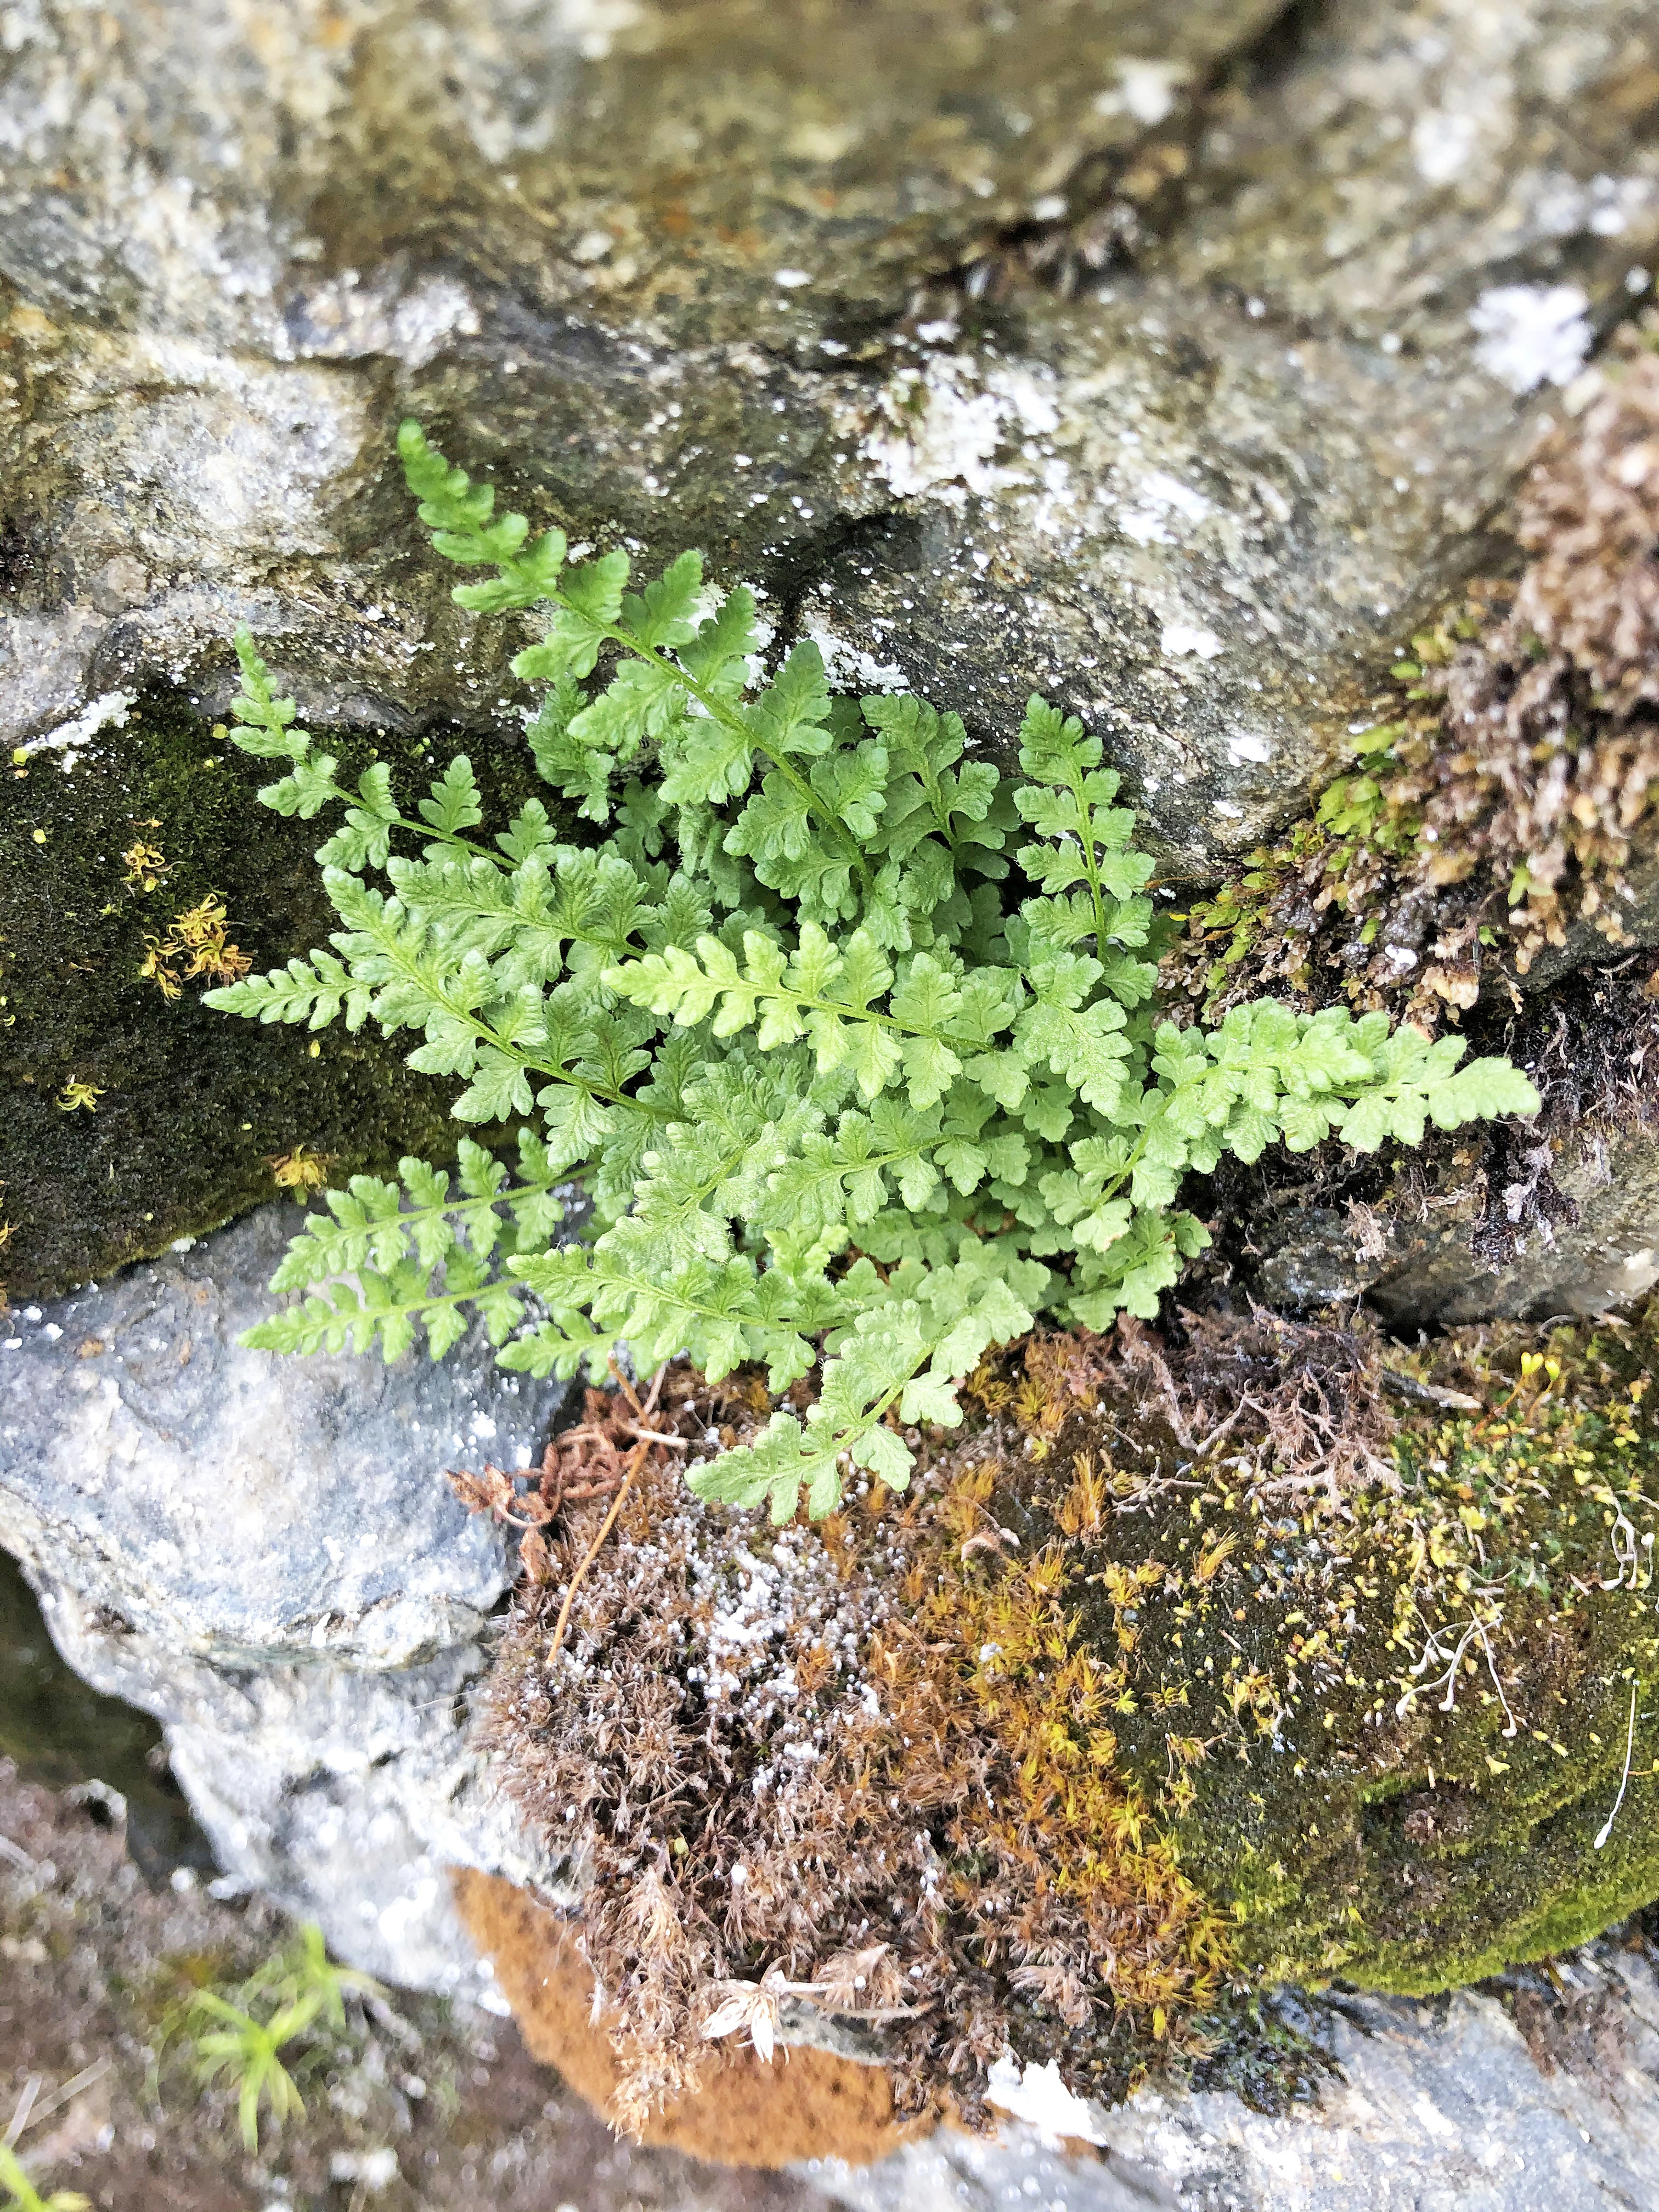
(866, 1767)
(1249, 1651)
(1511, 779)
(811, 2104)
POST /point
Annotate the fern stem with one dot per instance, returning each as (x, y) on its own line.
(1090, 863)
(636, 1460)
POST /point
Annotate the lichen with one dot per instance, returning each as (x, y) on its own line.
(144, 859)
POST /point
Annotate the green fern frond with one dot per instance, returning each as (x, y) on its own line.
(851, 1044)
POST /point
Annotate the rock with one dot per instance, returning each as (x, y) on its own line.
(655, 266)
(345, 1792)
(263, 1555)
(1506, 2099)
(239, 1505)
(1422, 1270)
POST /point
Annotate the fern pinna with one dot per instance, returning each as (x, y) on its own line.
(850, 1043)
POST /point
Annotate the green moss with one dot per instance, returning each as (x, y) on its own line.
(191, 1107)
(1286, 1652)
(1378, 1835)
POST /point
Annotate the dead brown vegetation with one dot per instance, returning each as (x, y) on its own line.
(864, 1768)
(812, 2104)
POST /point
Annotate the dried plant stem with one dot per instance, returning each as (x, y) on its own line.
(636, 1460)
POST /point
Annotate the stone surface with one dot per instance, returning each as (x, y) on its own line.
(264, 1555)
(660, 266)
(1441, 2108)
(748, 277)
(345, 1792)
(1423, 1272)
(243, 1506)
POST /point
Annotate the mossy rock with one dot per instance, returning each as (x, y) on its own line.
(1256, 1653)
(1428, 1708)
(191, 1107)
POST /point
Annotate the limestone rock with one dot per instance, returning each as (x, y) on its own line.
(264, 1555)
(1448, 2107)
(239, 1505)
(657, 267)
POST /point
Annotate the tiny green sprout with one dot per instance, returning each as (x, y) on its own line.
(249, 2051)
(305, 1971)
(21, 2195)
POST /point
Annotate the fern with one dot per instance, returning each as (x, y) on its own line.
(850, 1045)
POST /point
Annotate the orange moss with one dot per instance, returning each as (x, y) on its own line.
(806, 2103)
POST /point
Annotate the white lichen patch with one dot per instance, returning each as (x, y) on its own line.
(1146, 90)
(849, 667)
(943, 425)
(1531, 334)
(106, 712)
(1161, 503)
(1178, 639)
(1037, 2095)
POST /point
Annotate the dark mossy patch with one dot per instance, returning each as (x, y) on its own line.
(189, 1108)
(1388, 1719)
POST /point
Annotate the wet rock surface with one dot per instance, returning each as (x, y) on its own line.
(265, 1556)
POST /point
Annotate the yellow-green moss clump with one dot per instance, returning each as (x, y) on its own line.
(133, 874)
(1266, 1652)
(1416, 1687)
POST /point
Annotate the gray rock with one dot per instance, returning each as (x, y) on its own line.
(243, 1505)
(1423, 1272)
(656, 266)
(264, 1555)
(346, 1793)
(1439, 2107)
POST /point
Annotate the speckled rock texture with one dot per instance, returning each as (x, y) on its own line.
(736, 276)
(1425, 1272)
(243, 1506)
(265, 1556)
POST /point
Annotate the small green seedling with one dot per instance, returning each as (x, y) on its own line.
(304, 1970)
(249, 2051)
(22, 2197)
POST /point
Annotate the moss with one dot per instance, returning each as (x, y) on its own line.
(1264, 1652)
(745, 2113)
(1352, 1823)
(188, 1110)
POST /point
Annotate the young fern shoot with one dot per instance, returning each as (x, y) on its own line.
(851, 1044)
